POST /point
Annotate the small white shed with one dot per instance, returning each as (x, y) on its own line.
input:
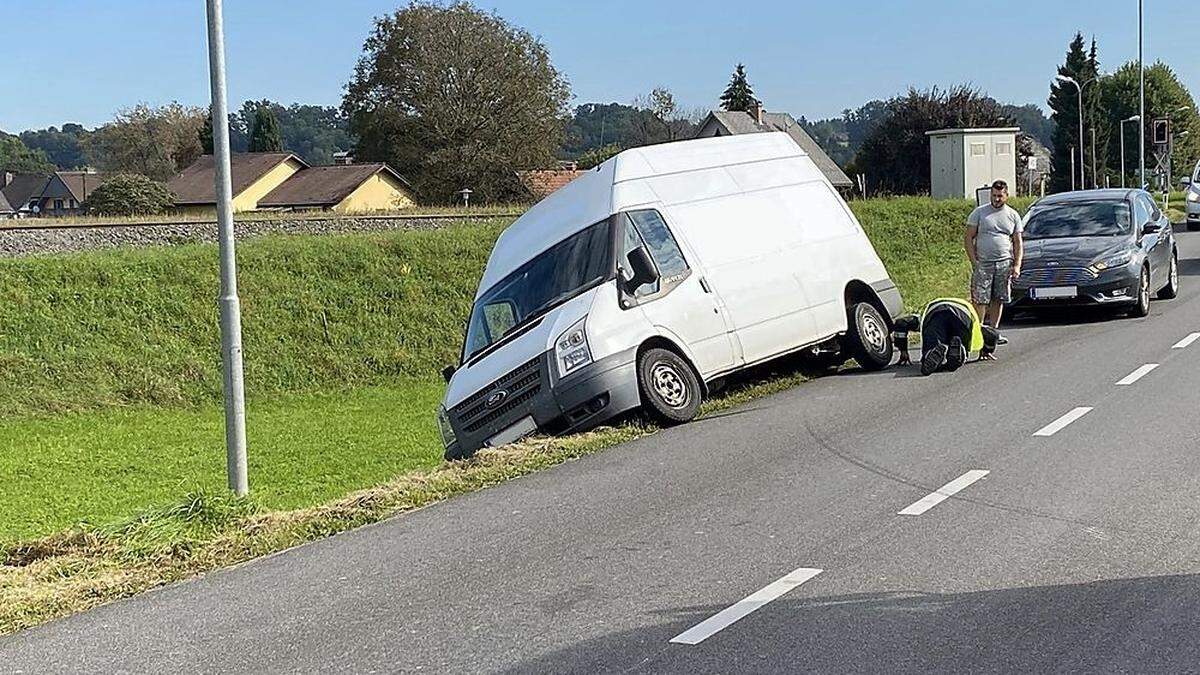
(962, 160)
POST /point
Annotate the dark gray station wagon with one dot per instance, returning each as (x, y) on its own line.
(1097, 247)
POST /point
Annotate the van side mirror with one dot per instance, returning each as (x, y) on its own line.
(642, 267)
(447, 373)
(1151, 228)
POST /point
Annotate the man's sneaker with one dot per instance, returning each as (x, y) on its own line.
(956, 355)
(1000, 339)
(934, 359)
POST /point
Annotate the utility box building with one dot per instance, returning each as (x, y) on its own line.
(963, 160)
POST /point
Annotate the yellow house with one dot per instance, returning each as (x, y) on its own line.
(342, 188)
(253, 174)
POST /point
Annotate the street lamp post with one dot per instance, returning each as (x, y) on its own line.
(1141, 104)
(231, 313)
(1079, 89)
(1135, 118)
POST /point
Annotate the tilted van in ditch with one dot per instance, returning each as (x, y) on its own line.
(653, 275)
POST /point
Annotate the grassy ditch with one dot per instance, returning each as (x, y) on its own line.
(110, 418)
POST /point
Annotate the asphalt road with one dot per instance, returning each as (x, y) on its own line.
(1076, 551)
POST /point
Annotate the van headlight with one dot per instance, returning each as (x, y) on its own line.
(1111, 263)
(443, 420)
(571, 350)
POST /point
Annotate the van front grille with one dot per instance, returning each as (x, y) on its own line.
(520, 385)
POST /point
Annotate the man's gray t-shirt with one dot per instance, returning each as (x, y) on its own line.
(994, 231)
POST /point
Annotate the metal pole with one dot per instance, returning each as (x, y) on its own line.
(1122, 153)
(1082, 178)
(1141, 105)
(1095, 176)
(1072, 169)
(231, 313)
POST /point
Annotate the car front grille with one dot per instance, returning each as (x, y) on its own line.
(1056, 275)
(520, 385)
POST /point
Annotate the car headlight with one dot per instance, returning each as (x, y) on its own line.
(443, 420)
(1111, 263)
(571, 350)
(1193, 196)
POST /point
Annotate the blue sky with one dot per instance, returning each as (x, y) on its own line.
(80, 60)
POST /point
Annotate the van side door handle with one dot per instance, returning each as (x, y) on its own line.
(704, 285)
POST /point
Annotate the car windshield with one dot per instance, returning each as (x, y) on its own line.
(1088, 219)
(550, 278)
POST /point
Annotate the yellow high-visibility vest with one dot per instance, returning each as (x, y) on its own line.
(976, 342)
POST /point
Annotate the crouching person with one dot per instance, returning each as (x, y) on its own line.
(950, 331)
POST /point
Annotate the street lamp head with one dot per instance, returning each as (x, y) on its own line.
(1135, 118)
(1065, 78)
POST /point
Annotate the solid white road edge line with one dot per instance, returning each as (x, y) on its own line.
(723, 619)
(1137, 375)
(943, 493)
(1187, 341)
(1062, 422)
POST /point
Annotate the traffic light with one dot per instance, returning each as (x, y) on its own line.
(1161, 131)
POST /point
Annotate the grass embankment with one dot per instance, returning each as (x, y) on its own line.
(172, 218)
(111, 432)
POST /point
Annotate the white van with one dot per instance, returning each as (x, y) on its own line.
(651, 276)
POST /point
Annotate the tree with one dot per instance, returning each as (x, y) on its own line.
(15, 156)
(64, 148)
(454, 98)
(313, 132)
(129, 194)
(596, 125)
(1064, 102)
(265, 134)
(206, 134)
(1032, 121)
(738, 96)
(154, 142)
(895, 156)
(1166, 97)
(660, 120)
(597, 156)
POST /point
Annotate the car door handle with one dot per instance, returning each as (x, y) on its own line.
(704, 285)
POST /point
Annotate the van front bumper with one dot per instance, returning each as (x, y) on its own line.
(588, 397)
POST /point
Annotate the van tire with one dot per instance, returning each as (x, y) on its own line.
(869, 339)
(671, 393)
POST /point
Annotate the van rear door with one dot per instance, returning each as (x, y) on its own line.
(681, 303)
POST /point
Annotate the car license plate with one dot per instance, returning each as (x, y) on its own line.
(522, 428)
(1054, 292)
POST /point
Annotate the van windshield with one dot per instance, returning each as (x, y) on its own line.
(551, 278)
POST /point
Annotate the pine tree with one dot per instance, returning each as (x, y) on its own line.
(1064, 102)
(1094, 118)
(206, 135)
(266, 135)
(738, 96)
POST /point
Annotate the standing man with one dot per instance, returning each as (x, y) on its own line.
(993, 244)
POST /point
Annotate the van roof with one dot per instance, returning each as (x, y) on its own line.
(595, 195)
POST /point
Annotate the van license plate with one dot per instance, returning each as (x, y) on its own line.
(514, 433)
(1054, 292)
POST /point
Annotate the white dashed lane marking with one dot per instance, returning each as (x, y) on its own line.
(1136, 375)
(943, 493)
(723, 619)
(1062, 422)
(1187, 341)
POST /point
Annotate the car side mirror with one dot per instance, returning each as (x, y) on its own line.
(1151, 228)
(642, 268)
(447, 373)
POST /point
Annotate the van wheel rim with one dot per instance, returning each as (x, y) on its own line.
(669, 385)
(873, 334)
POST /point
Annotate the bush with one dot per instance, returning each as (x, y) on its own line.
(129, 194)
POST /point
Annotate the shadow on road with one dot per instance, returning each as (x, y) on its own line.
(1146, 624)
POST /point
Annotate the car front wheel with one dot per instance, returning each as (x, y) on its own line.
(670, 390)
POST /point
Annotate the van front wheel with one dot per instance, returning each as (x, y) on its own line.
(869, 339)
(670, 390)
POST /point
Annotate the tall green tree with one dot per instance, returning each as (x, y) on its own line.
(15, 156)
(265, 134)
(455, 97)
(63, 147)
(738, 96)
(206, 134)
(153, 142)
(1082, 67)
(1166, 98)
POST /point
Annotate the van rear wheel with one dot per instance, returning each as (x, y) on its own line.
(670, 390)
(869, 339)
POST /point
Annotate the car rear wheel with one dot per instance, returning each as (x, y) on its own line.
(1172, 288)
(1142, 306)
(670, 390)
(869, 339)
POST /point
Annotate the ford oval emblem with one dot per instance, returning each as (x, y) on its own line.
(496, 398)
